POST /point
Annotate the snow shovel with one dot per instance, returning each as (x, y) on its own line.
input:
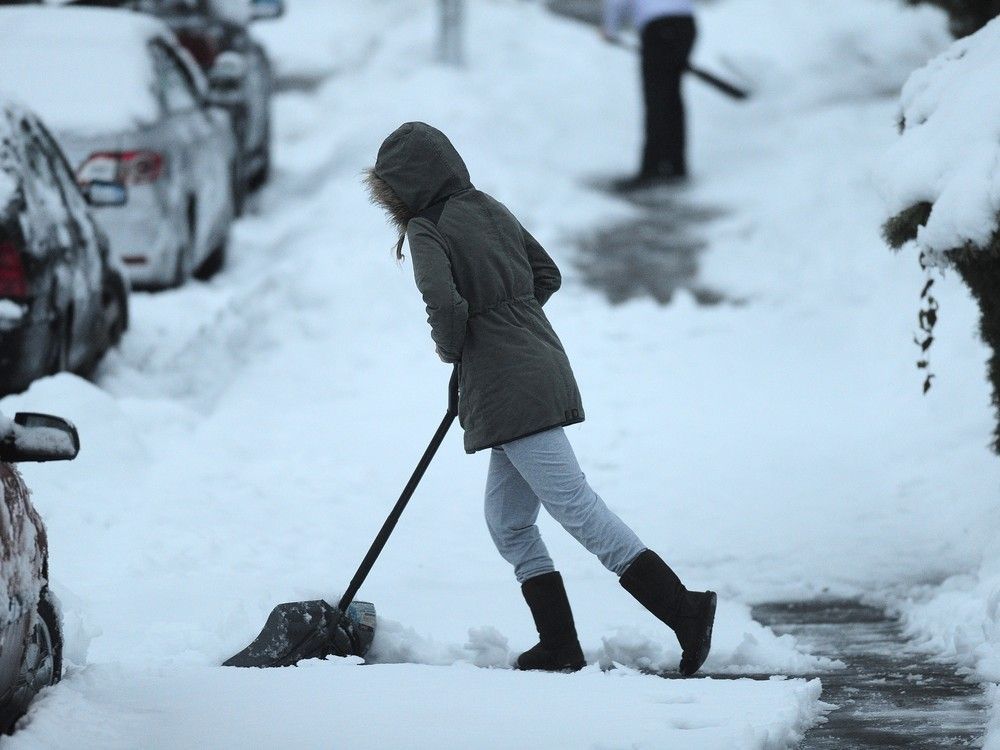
(314, 629)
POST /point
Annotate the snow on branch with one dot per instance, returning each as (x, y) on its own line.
(941, 179)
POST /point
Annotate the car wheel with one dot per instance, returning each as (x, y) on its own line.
(41, 665)
(185, 252)
(239, 188)
(214, 262)
(115, 315)
(263, 174)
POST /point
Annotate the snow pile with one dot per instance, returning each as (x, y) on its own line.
(740, 646)
(949, 152)
(102, 77)
(961, 619)
(11, 314)
(336, 703)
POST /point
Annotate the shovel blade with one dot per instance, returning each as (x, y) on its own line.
(309, 630)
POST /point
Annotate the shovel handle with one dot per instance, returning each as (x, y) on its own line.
(390, 523)
(453, 390)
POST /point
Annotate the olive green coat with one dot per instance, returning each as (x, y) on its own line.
(484, 280)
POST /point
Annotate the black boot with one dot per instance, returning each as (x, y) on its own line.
(558, 649)
(690, 614)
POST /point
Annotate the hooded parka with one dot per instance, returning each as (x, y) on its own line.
(484, 280)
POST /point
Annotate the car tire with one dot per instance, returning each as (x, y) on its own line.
(183, 267)
(41, 665)
(115, 314)
(214, 262)
(263, 174)
(240, 186)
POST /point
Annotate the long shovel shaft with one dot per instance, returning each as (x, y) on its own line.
(727, 88)
(724, 86)
(390, 523)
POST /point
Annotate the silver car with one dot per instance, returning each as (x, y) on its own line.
(129, 105)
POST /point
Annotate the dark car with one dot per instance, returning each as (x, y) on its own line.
(237, 66)
(63, 303)
(31, 639)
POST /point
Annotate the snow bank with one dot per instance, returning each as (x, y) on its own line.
(949, 152)
(11, 314)
(960, 620)
(412, 707)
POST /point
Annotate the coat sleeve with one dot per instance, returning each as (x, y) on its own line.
(447, 311)
(543, 269)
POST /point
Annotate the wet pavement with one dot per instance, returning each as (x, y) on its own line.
(583, 10)
(653, 255)
(890, 694)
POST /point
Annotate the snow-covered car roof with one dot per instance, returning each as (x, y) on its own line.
(84, 70)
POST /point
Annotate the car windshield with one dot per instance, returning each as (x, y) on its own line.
(78, 78)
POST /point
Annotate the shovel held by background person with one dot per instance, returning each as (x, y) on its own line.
(730, 89)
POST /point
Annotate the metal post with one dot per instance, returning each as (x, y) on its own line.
(450, 46)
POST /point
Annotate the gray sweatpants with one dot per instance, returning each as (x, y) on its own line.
(542, 469)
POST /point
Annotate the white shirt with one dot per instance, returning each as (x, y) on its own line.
(641, 12)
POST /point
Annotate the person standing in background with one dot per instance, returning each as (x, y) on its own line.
(667, 31)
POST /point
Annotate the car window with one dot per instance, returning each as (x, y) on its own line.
(44, 193)
(81, 222)
(176, 87)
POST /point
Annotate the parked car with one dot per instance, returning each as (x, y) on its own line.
(63, 302)
(216, 33)
(31, 640)
(128, 104)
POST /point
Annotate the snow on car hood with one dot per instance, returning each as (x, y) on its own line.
(85, 70)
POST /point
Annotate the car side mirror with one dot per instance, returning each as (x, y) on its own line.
(101, 193)
(39, 437)
(261, 10)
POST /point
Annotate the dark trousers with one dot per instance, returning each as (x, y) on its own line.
(666, 46)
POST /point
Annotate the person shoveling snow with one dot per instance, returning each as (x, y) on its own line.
(484, 279)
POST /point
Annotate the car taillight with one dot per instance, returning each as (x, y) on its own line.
(128, 167)
(201, 45)
(13, 280)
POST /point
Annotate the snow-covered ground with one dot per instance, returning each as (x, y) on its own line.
(243, 447)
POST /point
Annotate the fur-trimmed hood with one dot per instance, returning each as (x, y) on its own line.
(383, 195)
(420, 166)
